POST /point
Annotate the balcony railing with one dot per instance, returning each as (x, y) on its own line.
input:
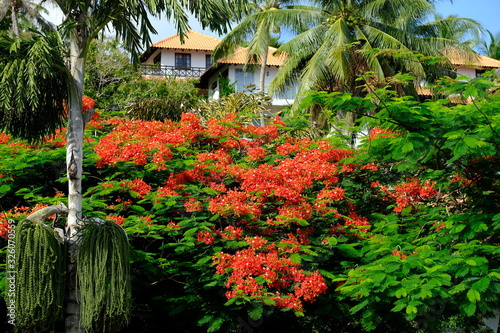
(171, 71)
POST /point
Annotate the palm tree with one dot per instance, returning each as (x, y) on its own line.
(491, 48)
(125, 17)
(346, 37)
(262, 27)
(463, 30)
(68, 47)
(258, 30)
(27, 9)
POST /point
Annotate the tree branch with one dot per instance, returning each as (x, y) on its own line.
(42, 214)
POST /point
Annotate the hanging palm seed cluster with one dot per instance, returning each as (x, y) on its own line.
(40, 275)
(103, 278)
(102, 274)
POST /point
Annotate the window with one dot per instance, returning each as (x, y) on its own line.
(208, 60)
(183, 60)
(243, 79)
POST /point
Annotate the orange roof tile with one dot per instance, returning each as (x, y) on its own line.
(421, 91)
(464, 58)
(240, 57)
(193, 40)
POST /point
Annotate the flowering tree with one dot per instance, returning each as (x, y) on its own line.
(227, 220)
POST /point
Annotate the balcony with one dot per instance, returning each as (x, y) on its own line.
(171, 71)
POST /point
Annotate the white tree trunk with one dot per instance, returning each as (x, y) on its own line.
(74, 157)
(74, 147)
(15, 25)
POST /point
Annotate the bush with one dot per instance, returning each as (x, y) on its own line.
(238, 227)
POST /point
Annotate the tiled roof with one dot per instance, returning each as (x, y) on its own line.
(463, 58)
(193, 40)
(421, 91)
(241, 54)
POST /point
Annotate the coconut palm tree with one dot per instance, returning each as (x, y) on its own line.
(258, 30)
(24, 9)
(453, 28)
(490, 48)
(346, 37)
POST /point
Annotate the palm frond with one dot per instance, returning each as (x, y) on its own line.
(33, 87)
(297, 57)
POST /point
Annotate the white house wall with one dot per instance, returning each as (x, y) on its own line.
(470, 72)
(271, 72)
(198, 58)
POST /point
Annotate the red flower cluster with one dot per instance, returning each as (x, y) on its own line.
(137, 185)
(461, 179)
(265, 272)
(4, 138)
(58, 139)
(331, 194)
(232, 233)
(256, 153)
(87, 103)
(401, 254)
(410, 193)
(234, 203)
(357, 221)
(378, 132)
(192, 205)
(173, 225)
(206, 237)
(18, 213)
(116, 218)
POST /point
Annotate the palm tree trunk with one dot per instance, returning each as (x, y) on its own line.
(262, 80)
(74, 156)
(15, 26)
(263, 72)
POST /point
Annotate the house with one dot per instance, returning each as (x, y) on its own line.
(232, 69)
(171, 58)
(470, 64)
(467, 64)
(192, 58)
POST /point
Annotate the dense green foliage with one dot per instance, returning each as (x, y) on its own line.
(238, 227)
(157, 98)
(446, 252)
(107, 67)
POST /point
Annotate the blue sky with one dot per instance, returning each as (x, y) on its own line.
(486, 12)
